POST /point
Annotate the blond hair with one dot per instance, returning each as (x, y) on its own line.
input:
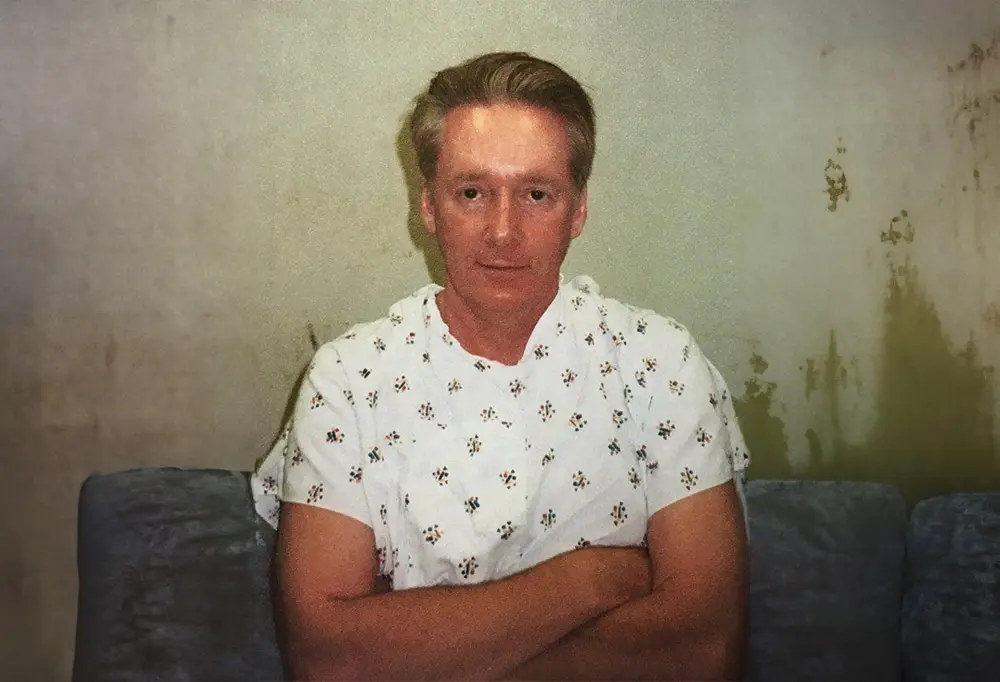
(505, 77)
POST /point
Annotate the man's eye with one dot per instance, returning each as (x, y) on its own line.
(470, 193)
(537, 195)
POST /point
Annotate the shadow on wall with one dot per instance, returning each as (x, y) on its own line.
(423, 240)
(932, 431)
(29, 258)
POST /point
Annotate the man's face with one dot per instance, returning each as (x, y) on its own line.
(502, 205)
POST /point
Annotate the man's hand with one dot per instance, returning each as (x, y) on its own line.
(337, 624)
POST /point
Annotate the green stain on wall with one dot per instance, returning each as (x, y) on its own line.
(836, 184)
(834, 380)
(933, 423)
(758, 364)
(815, 450)
(812, 377)
(991, 316)
(976, 102)
(837, 187)
(933, 431)
(764, 432)
(900, 229)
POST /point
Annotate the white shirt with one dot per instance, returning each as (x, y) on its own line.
(468, 470)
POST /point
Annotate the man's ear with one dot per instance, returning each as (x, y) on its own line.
(579, 214)
(427, 206)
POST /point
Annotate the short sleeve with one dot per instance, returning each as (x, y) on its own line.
(691, 437)
(323, 463)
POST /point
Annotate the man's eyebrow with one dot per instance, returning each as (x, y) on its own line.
(469, 176)
(540, 179)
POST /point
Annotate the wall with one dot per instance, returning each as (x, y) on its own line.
(189, 190)
(871, 204)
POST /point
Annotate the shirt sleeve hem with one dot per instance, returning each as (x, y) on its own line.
(684, 493)
(361, 517)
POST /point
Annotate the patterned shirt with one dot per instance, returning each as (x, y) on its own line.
(469, 470)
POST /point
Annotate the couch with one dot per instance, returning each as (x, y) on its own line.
(846, 583)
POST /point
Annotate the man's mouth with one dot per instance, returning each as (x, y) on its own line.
(501, 265)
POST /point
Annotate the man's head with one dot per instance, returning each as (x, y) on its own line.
(511, 78)
(504, 184)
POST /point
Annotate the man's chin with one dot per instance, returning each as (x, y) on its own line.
(513, 296)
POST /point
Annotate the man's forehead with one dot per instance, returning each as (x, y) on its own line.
(513, 116)
(481, 141)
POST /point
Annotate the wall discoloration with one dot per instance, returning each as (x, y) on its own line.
(812, 375)
(991, 316)
(111, 351)
(837, 187)
(758, 364)
(815, 450)
(830, 369)
(978, 55)
(834, 370)
(932, 431)
(900, 229)
(763, 431)
(978, 95)
(834, 381)
(856, 367)
(974, 108)
(975, 84)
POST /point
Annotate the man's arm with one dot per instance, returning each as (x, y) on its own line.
(693, 624)
(336, 625)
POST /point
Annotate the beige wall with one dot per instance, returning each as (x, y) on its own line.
(186, 187)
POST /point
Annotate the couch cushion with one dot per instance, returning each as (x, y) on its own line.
(951, 609)
(174, 575)
(826, 562)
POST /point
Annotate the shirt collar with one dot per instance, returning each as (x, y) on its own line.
(546, 330)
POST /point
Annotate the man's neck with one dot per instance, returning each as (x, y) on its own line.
(499, 336)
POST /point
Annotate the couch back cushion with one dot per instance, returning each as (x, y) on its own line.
(826, 563)
(174, 568)
(951, 608)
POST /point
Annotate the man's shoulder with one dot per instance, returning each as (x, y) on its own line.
(377, 341)
(627, 327)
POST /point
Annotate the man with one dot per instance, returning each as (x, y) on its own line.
(549, 480)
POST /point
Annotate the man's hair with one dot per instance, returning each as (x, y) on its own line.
(510, 78)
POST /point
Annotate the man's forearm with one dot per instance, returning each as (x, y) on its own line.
(651, 638)
(475, 632)
(693, 624)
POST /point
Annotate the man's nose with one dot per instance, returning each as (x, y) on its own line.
(503, 221)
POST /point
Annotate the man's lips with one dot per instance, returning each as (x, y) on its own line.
(501, 265)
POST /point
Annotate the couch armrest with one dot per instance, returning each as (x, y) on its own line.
(174, 570)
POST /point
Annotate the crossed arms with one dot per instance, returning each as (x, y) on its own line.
(596, 613)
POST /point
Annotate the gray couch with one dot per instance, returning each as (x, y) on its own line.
(845, 585)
